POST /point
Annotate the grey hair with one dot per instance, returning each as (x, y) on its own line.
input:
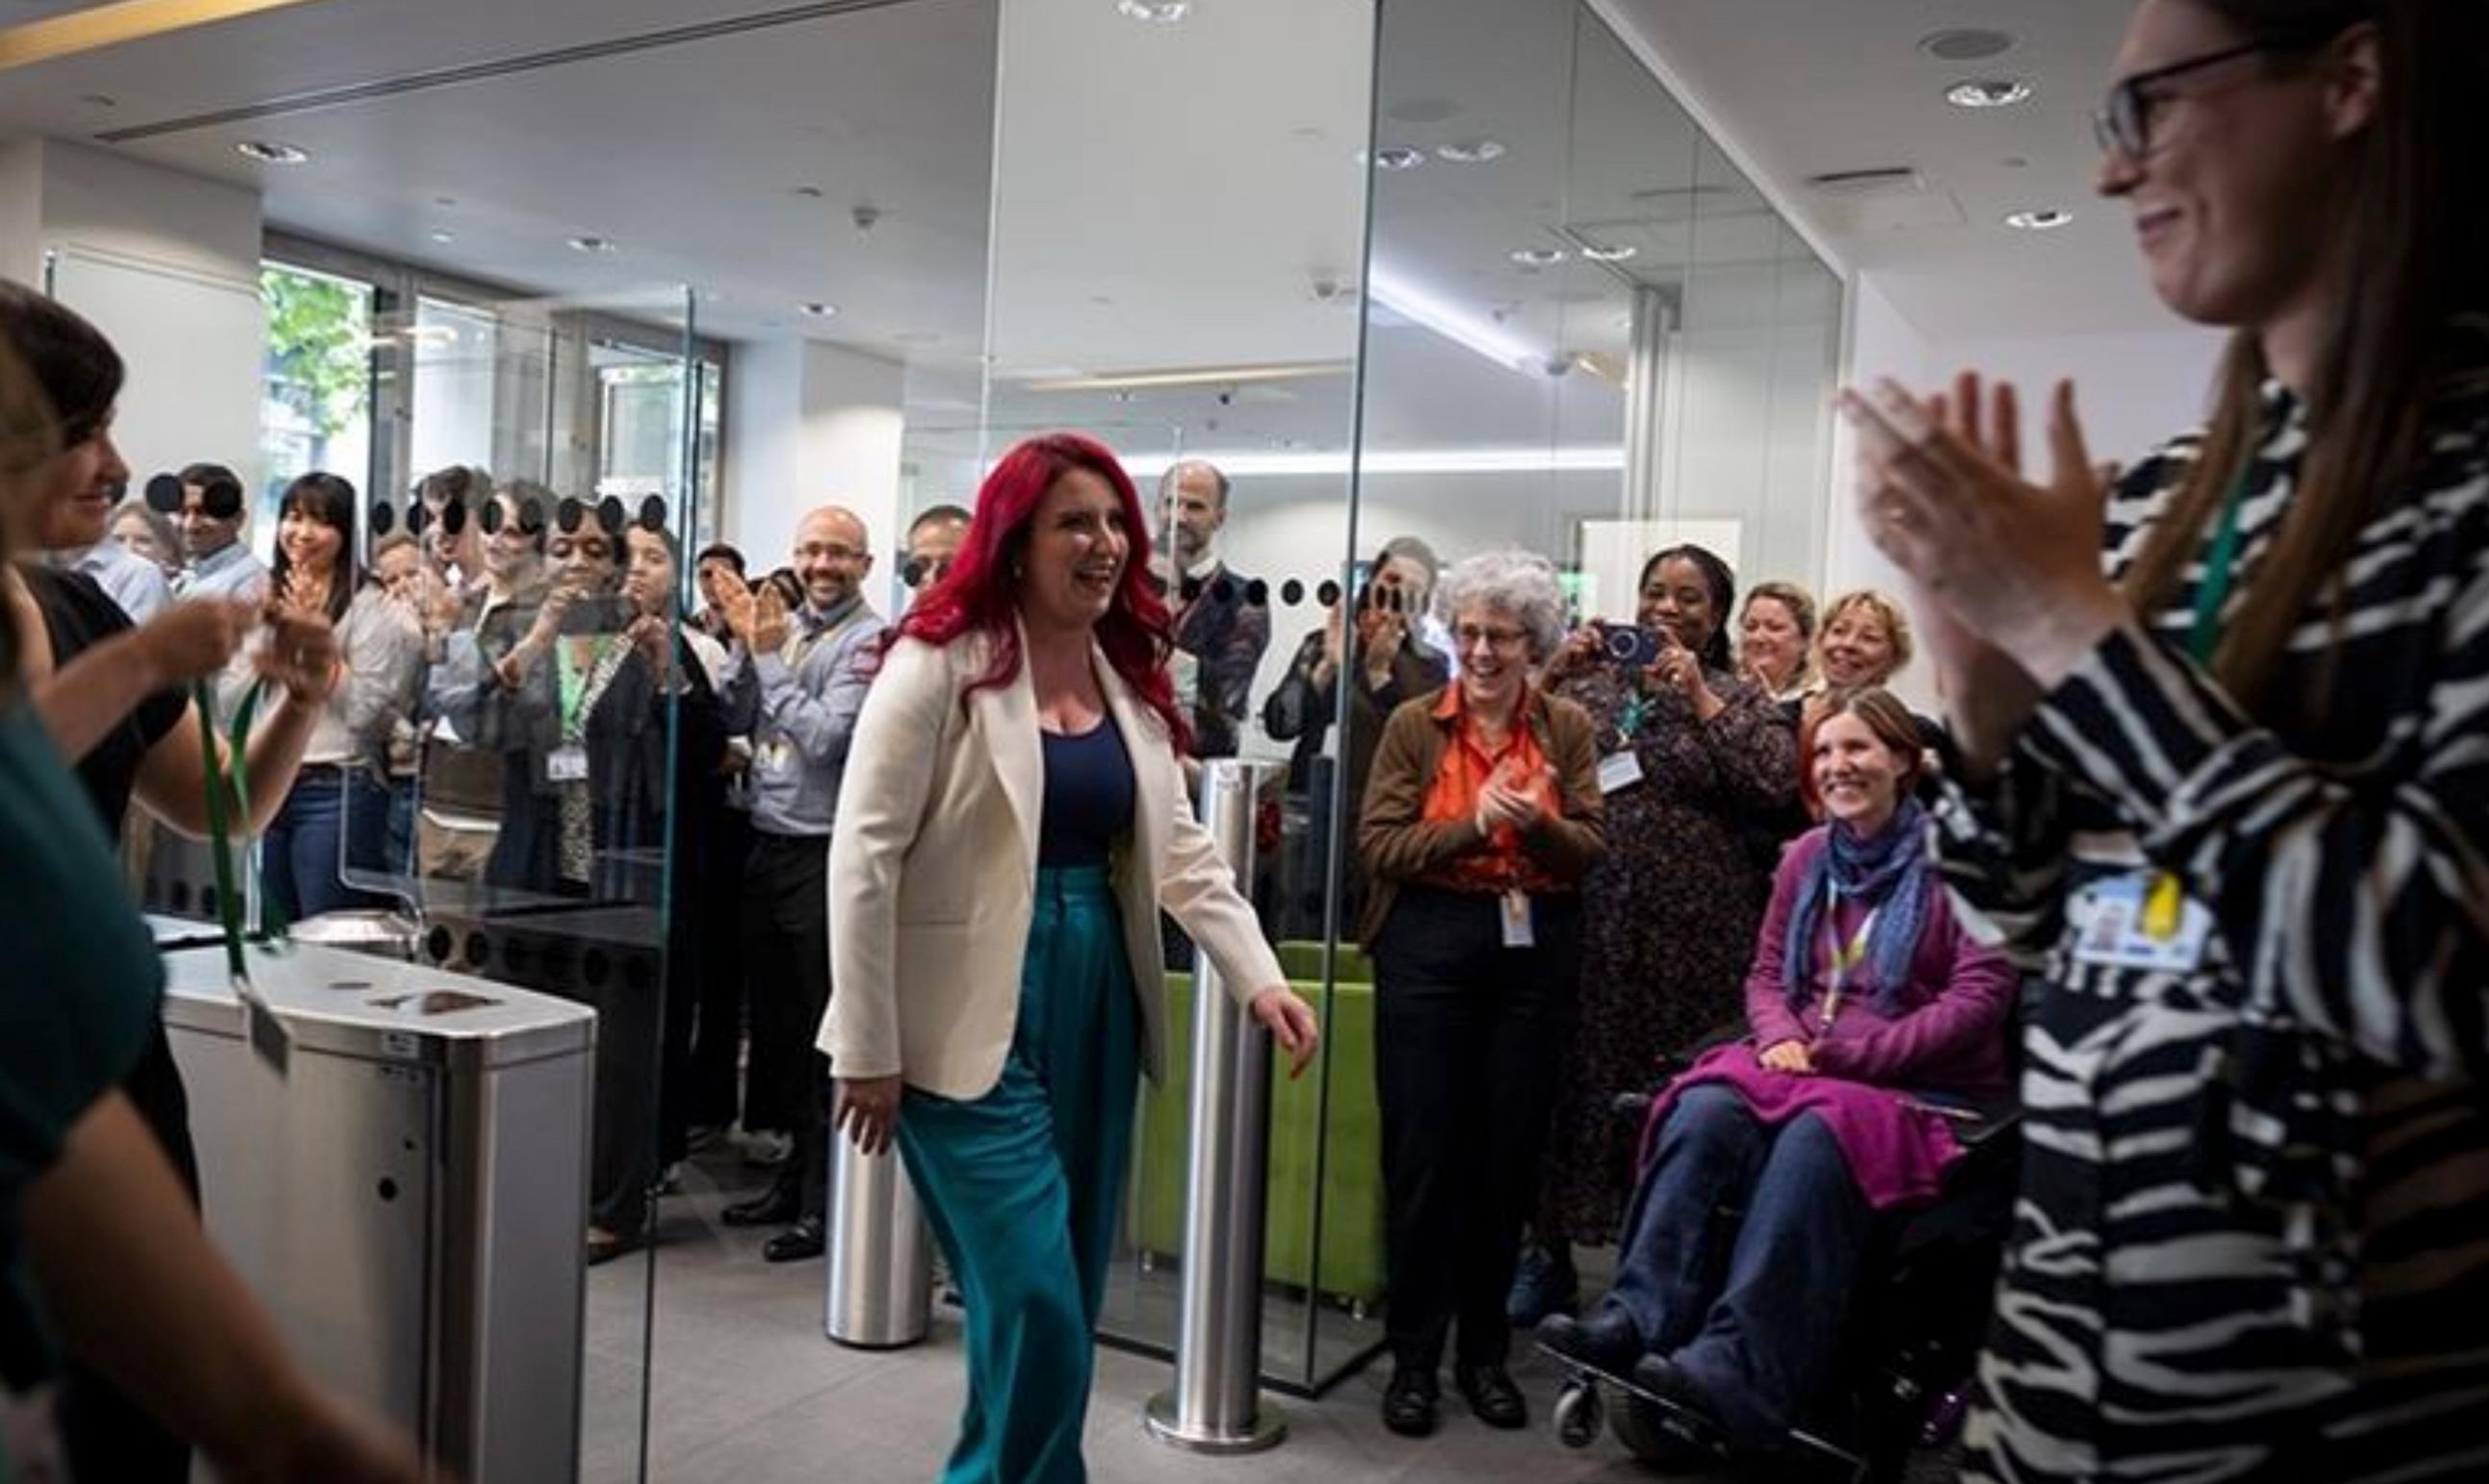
(158, 524)
(1517, 584)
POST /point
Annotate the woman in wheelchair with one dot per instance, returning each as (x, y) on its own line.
(1765, 1166)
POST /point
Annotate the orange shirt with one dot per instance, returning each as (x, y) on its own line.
(1502, 864)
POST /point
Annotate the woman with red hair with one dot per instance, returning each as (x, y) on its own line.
(1012, 823)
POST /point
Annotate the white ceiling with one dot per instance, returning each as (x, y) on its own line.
(1809, 87)
(1107, 256)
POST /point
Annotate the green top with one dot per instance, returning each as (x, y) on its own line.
(79, 985)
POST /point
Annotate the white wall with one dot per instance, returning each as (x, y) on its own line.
(812, 426)
(166, 265)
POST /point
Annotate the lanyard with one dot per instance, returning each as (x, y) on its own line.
(228, 786)
(1631, 713)
(2221, 569)
(2164, 904)
(1844, 957)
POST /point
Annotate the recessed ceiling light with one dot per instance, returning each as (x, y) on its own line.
(2044, 218)
(1967, 43)
(269, 152)
(101, 101)
(807, 192)
(818, 310)
(1537, 257)
(1472, 151)
(1609, 254)
(591, 244)
(1398, 157)
(443, 235)
(1987, 93)
(1158, 13)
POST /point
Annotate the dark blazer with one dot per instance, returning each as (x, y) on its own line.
(1226, 628)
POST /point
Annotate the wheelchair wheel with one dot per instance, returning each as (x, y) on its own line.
(1579, 1413)
(1642, 1427)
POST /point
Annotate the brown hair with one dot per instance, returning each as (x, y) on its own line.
(1884, 715)
(29, 441)
(2416, 220)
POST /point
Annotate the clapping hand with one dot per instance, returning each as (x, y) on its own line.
(195, 638)
(301, 653)
(770, 624)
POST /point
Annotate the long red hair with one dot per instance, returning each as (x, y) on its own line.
(981, 592)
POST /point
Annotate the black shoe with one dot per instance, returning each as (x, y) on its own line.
(1492, 1395)
(1409, 1402)
(1542, 1284)
(1603, 1341)
(773, 1207)
(797, 1243)
(1660, 1377)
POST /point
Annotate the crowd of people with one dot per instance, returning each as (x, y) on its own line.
(2199, 847)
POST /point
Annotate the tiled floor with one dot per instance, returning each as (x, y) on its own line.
(746, 1390)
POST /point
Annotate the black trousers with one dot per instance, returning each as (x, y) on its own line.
(1467, 1033)
(786, 941)
(714, 1096)
(105, 1434)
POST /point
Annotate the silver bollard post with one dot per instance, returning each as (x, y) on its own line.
(879, 1291)
(1216, 1405)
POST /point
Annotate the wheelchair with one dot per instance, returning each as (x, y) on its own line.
(1909, 1342)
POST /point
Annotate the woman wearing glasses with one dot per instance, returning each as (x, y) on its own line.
(2227, 791)
(1482, 813)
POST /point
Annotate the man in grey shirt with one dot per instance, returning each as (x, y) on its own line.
(799, 698)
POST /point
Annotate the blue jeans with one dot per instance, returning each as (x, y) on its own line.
(1761, 1325)
(331, 820)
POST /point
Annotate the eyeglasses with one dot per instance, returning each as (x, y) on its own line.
(1468, 636)
(920, 570)
(831, 553)
(2123, 123)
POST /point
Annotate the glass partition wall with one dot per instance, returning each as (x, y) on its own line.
(1456, 270)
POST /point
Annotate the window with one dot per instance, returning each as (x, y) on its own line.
(316, 385)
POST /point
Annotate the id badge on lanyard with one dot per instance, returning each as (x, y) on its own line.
(1846, 957)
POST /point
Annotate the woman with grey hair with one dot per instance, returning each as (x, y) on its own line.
(1483, 815)
(143, 530)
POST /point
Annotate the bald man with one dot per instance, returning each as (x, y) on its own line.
(799, 700)
(1221, 620)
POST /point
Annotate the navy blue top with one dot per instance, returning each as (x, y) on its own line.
(1089, 797)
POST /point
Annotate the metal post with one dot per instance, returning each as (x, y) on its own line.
(878, 1290)
(1216, 1405)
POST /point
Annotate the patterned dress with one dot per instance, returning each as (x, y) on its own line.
(2253, 1238)
(1669, 916)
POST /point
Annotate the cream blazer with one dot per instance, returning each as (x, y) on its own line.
(934, 874)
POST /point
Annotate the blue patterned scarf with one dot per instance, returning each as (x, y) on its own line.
(1889, 870)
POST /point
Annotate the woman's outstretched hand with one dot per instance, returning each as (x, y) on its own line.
(868, 1111)
(1291, 1023)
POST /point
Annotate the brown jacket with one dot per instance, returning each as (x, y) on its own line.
(1400, 842)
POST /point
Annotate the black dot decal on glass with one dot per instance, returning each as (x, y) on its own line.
(1292, 592)
(453, 516)
(1222, 590)
(532, 516)
(1257, 593)
(1190, 591)
(652, 512)
(611, 514)
(164, 495)
(593, 967)
(437, 943)
(1328, 592)
(492, 518)
(418, 516)
(567, 515)
(383, 517)
(479, 951)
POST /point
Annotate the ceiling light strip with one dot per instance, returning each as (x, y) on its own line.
(1206, 376)
(110, 25)
(479, 71)
(1589, 458)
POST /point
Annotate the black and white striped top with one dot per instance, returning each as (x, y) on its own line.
(2335, 1034)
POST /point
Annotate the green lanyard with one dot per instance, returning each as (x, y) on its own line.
(228, 788)
(2220, 564)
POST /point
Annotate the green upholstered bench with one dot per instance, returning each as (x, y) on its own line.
(1350, 1152)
